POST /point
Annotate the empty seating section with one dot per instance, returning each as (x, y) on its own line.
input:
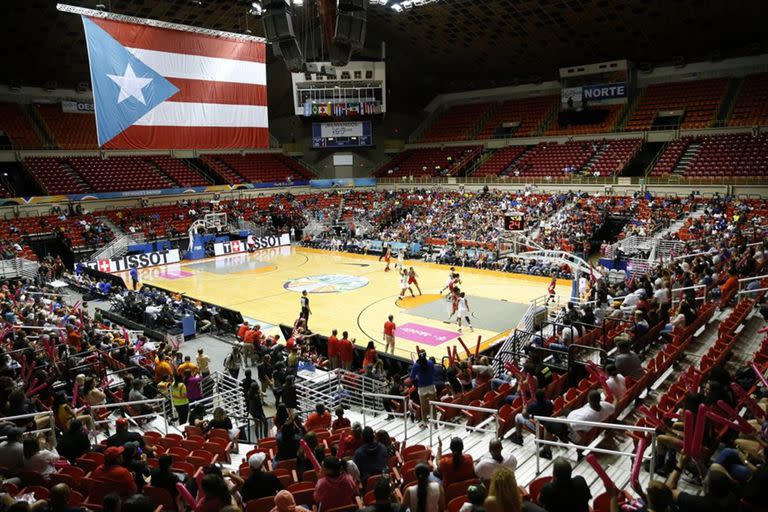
(616, 156)
(119, 173)
(456, 123)
(427, 162)
(500, 161)
(606, 125)
(69, 131)
(529, 112)
(52, 176)
(735, 155)
(256, 167)
(671, 156)
(16, 127)
(751, 107)
(699, 99)
(178, 171)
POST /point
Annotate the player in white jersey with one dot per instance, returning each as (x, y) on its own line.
(404, 285)
(400, 259)
(462, 311)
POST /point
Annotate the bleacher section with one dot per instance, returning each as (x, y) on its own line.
(529, 112)
(69, 131)
(178, 171)
(699, 99)
(15, 126)
(751, 108)
(551, 159)
(735, 155)
(456, 123)
(616, 156)
(499, 161)
(428, 162)
(119, 173)
(256, 167)
(53, 177)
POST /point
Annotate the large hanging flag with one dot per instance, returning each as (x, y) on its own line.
(160, 88)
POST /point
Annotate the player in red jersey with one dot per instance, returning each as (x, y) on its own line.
(412, 279)
(551, 289)
(455, 295)
(387, 258)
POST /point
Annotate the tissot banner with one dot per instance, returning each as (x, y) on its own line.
(122, 263)
(255, 242)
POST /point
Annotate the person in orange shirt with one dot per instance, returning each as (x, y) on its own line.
(370, 357)
(389, 334)
(730, 284)
(162, 368)
(74, 338)
(318, 420)
(242, 330)
(119, 479)
(187, 366)
(346, 351)
(333, 350)
(251, 338)
(456, 467)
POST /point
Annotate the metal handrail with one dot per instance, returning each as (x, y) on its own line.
(153, 401)
(432, 421)
(593, 424)
(404, 414)
(51, 423)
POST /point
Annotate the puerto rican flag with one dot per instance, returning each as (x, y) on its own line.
(159, 88)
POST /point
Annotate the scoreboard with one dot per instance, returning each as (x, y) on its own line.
(514, 222)
(342, 135)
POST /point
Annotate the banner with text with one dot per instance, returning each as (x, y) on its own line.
(341, 129)
(251, 243)
(123, 263)
(606, 93)
(76, 107)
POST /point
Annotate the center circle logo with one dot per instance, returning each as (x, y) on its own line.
(326, 283)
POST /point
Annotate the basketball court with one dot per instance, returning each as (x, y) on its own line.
(354, 293)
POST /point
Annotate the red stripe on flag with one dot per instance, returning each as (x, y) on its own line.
(228, 93)
(196, 137)
(177, 41)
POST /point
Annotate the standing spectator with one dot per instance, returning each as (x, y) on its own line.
(256, 409)
(370, 357)
(564, 493)
(203, 363)
(179, 399)
(289, 396)
(333, 350)
(134, 278)
(305, 310)
(233, 361)
(346, 351)
(423, 374)
(389, 333)
(372, 457)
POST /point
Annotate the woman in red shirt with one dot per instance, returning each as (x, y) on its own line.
(335, 488)
(346, 351)
(456, 467)
(370, 355)
(333, 350)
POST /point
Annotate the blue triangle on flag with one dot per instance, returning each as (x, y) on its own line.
(124, 88)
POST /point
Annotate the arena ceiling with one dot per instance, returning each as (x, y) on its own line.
(441, 46)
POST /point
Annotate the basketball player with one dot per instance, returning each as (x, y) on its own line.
(389, 334)
(462, 311)
(551, 290)
(451, 271)
(454, 297)
(404, 285)
(387, 258)
(384, 249)
(400, 258)
(412, 279)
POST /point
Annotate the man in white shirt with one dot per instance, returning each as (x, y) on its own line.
(616, 382)
(487, 464)
(596, 410)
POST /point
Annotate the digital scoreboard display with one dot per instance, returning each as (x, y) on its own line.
(342, 135)
(515, 222)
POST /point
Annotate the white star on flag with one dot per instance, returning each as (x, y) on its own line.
(130, 85)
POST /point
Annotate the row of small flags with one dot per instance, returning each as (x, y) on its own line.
(342, 109)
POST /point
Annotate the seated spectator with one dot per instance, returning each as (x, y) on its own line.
(538, 407)
(476, 496)
(426, 495)
(74, 443)
(215, 493)
(162, 477)
(320, 419)
(287, 443)
(122, 435)
(485, 467)
(284, 502)
(12, 451)
(616, 382)
(118, 477)
(504, 494)
(372, 457)
(565, 493)
(58, 499)
(335, 488)
(457, 466)
(340, 422)
(36, 459)
(65, 413)
(221, 420)
(628, 362)
(259, 483)
(595, 410)
(382, 491)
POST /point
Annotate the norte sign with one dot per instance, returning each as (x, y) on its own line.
(122, 263)
(605, 93)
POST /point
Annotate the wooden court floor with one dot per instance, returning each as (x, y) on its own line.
(353, 293)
